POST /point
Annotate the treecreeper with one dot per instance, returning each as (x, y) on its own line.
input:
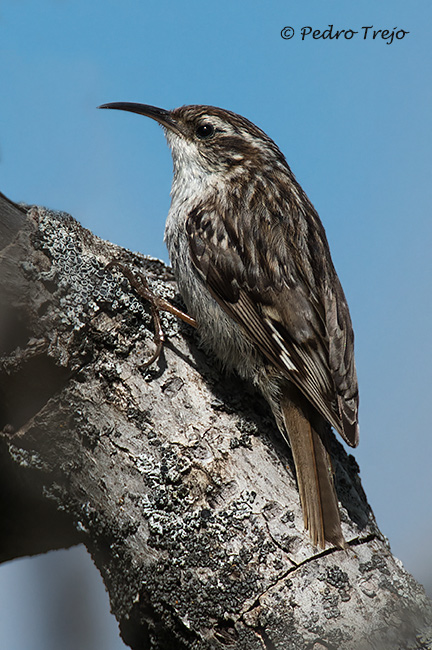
(253, 265)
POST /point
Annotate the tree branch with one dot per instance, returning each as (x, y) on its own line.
(173, 476)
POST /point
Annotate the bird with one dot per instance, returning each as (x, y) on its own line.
(253, 265)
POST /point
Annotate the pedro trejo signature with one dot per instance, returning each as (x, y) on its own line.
(366, 33)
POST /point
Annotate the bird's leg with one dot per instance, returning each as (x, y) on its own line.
(157, 304)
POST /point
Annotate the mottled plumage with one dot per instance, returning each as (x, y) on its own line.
(253, 264)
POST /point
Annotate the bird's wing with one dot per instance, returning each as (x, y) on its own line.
(276, 279)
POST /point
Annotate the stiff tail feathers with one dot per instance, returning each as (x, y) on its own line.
(314, 472)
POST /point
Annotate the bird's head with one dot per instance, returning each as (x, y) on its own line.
(210, 140)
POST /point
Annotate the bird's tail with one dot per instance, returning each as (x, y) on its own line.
(314, 470)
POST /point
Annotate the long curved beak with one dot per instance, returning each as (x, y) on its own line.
(163, 117)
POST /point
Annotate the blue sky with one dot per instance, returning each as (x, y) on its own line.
(353, 118)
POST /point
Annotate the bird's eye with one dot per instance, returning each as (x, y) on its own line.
(205, 131)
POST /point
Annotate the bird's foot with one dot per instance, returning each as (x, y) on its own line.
(157, 304)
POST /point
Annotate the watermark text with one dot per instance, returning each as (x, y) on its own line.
(365, 33)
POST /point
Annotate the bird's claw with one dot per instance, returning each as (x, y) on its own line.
(157, 304)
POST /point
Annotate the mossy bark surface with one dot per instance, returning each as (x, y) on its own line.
(173, 476)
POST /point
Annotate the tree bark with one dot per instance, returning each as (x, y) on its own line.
(173, 476)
